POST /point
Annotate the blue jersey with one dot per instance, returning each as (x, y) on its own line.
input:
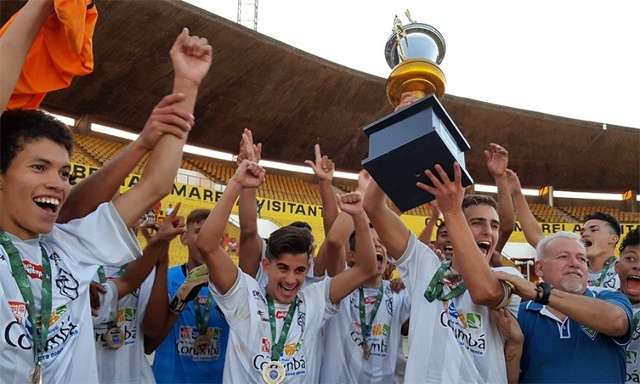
(179, 359)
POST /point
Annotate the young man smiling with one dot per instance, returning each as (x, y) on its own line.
(46, 269)
(274, 330)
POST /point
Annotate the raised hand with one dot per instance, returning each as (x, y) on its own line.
(249, 150)
(364, 178)
(249, 174)
(449, 194)
(172, 226)
(351, 203)
(514, 182)
(406, 99)
(191, 57)
(323, 166)
(521, 286)
(497, 160)
(165, 118)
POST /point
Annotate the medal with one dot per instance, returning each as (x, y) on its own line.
(115, 337)
(273, 372)
(440, 279)
(202, 319)
(364, 325)
(366, 350)
(202, 343)
(36, 374)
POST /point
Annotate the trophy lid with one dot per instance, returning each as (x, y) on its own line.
(420, 41)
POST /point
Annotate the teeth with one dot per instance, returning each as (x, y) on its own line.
(47, 200)
(634, 277)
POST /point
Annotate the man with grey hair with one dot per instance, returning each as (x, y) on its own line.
(572, 333)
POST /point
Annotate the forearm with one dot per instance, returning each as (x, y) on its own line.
(335, 243)
(505, 211)
(392, 231)
(157, 310)
(138, 270)
(152, 342)
(329, 204)
(483, 286)
(597, 314)
(512, 356)
(427, 232)
(102, 185)
(250, 242)
(16, 42)
(530, 226)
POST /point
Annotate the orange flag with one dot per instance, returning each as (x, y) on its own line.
(62, 49)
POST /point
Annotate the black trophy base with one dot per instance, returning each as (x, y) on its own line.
(405, 143)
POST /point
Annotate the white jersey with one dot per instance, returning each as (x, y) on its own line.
(449, 341)
(249, 348)
(127, 364)
(343, 338)
(75, 250)
(610, 280)
(632, 352)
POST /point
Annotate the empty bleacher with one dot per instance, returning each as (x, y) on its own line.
(623, 216)
(549, 214)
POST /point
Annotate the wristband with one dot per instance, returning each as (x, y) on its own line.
(543, 291)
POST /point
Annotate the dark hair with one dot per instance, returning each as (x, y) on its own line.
(474, 199)
(440, 227)
(632, 238)
(197, 215)
(289, 239)
(612, 221)
(19, 127)
(301, 224)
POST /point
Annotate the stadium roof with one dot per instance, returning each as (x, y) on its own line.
(292, 99)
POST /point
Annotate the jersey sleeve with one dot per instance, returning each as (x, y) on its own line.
(621, 301)
(100, 238)
(108, 304)
(318, 302)
(405, 305)
(417, 261)
(235, 303)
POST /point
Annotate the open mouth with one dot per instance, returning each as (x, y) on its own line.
(288, 290)
(49, 204)
(587, 243)
(633, 282)
(485, 247)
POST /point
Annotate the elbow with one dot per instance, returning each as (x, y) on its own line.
(619, 324)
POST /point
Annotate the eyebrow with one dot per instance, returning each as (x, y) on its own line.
(48, 162)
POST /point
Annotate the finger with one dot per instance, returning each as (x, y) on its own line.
(173, 110)
(258, 149)
(443, 175)
(311, 164)
(316, 148)
(487, 156)
(175, 210)
(170, 99)
(457, 174)
(427, 188)
(174, 120)
(184, 35)
(179, 132)
(100, 288)
(434, 180)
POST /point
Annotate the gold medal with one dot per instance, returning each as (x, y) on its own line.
(274, 372)
(36, 374)
(115, 337)
(202, 342)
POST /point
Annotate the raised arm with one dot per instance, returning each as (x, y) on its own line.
(391, 230)
(323, 167)
(191, 58)
(16, 42)
(222, 271)
(599, 315)
(365, 257)
(483, 286)
(530, 227)
(430, 224)
(336, 242)
(497, 160)
(102, 185)
(156, 249)
(250, 249)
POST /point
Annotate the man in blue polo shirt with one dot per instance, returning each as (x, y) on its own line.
(571, 333)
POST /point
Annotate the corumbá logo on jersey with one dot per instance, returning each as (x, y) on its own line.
(294, 366)
(465, 328)
(187, 344)
(377, 341)
(18, 336)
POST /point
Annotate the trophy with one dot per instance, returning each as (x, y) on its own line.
(405, 143)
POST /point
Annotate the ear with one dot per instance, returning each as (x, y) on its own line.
(613, 239)
(265, 263)
(617, 266)
(182, 240)
(538, 268)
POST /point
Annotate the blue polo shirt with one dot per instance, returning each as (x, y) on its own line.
(177, 359)
(568, 352)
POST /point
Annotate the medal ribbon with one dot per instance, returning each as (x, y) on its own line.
(605, 268)
(435, 289)
(39, 321)
(364, 325)
(202, 317)
(276, 349)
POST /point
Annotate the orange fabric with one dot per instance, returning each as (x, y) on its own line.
(61, 50)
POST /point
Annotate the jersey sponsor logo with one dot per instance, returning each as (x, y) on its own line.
(301, 319)
(33, 270)
(281, 314)
(291, 349)
(467, 328)
(129, 329)
(186, 344)
(259, 296)
(19, 310)
(57, 313)
(632, 376)
(592, 333)
(389, 306)
(294, 366)
(263, 316)
(19, 336)
(67, 284)
(378, 345)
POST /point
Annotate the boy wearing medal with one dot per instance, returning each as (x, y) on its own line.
(365, 336)
(275, 329)
(628, 269)
(45, 269)
(182, 320)
(461, 343)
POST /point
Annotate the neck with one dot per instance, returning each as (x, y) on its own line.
(191, 263)
(373, 282)
(17, 231)
(597, 261)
